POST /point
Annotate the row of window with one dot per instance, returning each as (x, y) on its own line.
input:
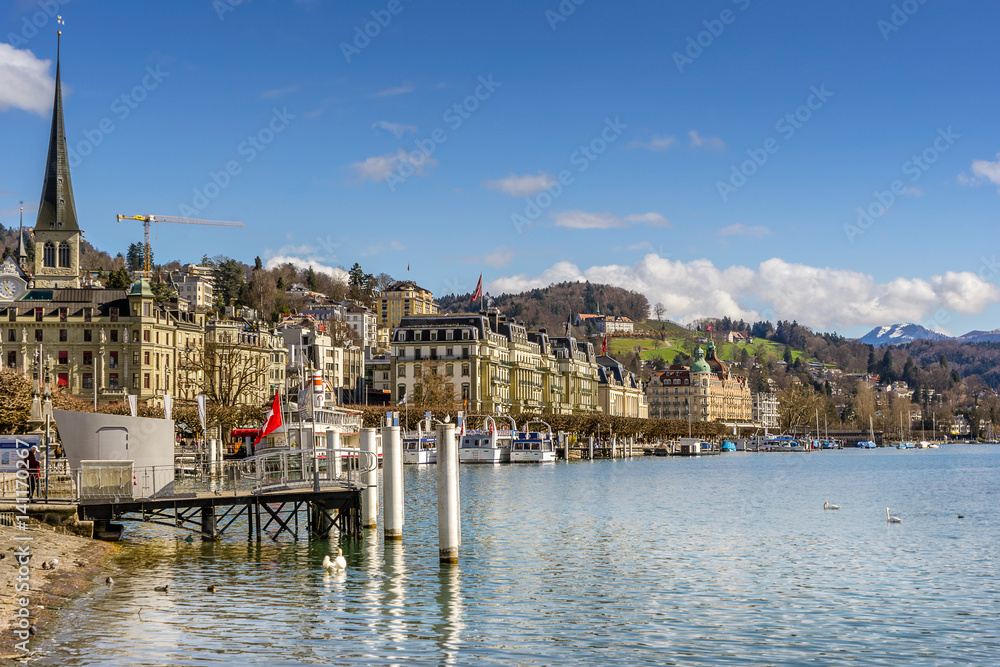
(49, 254)
(449, 369)
(63, 313)
(88, 336)
(449, 334)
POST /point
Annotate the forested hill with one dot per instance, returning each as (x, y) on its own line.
(552, 306)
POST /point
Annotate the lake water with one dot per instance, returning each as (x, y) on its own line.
(651, 561)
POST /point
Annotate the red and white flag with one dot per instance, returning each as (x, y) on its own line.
(478, 294)
(604, 344)
(273, 419)
(709, 327)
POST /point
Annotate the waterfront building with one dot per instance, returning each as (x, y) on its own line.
(620, 391)
(194, 284)
(576, 376)
(765, 410)
(703, 391)
(403, 299)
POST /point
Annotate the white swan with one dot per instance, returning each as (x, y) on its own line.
(338, 564)
(828, 506)
(892, 519)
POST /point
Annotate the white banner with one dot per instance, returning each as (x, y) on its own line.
(201, 412)
(168, 406)
(132, 402)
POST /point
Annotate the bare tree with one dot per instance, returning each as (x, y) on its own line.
(659, 310)
(262, 290)
(433, 390)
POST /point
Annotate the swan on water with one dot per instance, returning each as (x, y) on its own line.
(892, 519)
(162, 589)
(828, 506)
(337, 564)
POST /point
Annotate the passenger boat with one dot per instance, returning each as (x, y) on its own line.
(488, 444)
(533, 446)
(419, 448)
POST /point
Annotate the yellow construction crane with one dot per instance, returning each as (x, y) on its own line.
(146, 219)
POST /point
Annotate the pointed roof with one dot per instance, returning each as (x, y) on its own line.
(22, 245)
(57, 210)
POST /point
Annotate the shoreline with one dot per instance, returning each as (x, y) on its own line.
(81, 561)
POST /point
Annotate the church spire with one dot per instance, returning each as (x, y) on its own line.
(57, 210)
(22, 247)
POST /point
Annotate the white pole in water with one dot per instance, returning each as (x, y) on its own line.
(369, 497)
(392, 482)
(449, 537)
(590, 448)
(333, 457)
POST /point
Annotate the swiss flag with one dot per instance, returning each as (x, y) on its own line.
(273, 419)
(604, 344)
(478, 294)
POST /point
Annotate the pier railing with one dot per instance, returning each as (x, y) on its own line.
(302, 468)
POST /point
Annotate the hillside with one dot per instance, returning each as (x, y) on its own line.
(551, 307)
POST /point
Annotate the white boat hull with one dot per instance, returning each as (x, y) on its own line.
(420, 456)
(532, 456)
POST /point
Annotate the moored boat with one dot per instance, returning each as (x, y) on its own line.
(533, 446)
(487, 444)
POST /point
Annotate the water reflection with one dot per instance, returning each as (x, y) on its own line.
(448, 631)
(394, 591)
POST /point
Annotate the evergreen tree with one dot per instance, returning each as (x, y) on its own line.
(118, 279)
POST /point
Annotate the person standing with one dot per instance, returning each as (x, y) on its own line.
(34, 472)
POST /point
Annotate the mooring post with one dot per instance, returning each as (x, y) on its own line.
(332, 456)
(369, 496)
(590, 448)
(208, 523)
(392, 482)
(449, 536)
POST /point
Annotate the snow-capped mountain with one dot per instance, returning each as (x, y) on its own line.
(897, 334)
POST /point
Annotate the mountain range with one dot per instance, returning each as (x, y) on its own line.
(907, 332)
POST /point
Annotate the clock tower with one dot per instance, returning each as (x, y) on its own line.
(57, 232)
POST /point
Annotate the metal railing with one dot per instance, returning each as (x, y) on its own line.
(289, 468)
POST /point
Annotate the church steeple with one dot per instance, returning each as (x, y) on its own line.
(57, 210)
(22, 246)
(57, 232)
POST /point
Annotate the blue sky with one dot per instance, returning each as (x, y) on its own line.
(834, 163)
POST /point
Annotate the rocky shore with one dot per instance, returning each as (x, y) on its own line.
(31, 592)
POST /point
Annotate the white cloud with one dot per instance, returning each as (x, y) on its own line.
(396, 129)
(711, 143)
(379, 167)
(984, 169)
(585, 220)
(522, 186)
(656, 144)
(819, 297)
(396, 90)
(651, 219)
(278, 92)
(741, 229)
(300, 263)
(588, 220)
(24, 81)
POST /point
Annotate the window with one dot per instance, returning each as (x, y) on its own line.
(450, 334)
(113, 363)
(400, 392)
(465, 370)
(449, 351)
(113, 314)
(465, 334)
(63, 335)
(145, 309)
(465, 391)
(434, 353)
(145, 336)
(88, 380)
(49, 254)
(157, 337)
(88, 335)
(135, 357)
(63, 358)
(145, 357)
(88, 314)
(418, 335)
(416, 353)
(11, 335)
(135, 380)
(401, 371)
(12, 359)
(114, 335)
(12, 314)
(465, 353)
(113, 380)
(449, 369)
(434, 335)
(63, 380)
(88, 358)
(64, 254)
(418, 371)
(400, 336)
(38, 335)
(63, 313)
(38, 314)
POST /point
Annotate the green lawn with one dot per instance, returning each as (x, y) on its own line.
(680, 339)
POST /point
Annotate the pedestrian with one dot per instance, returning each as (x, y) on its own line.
(34, 472)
